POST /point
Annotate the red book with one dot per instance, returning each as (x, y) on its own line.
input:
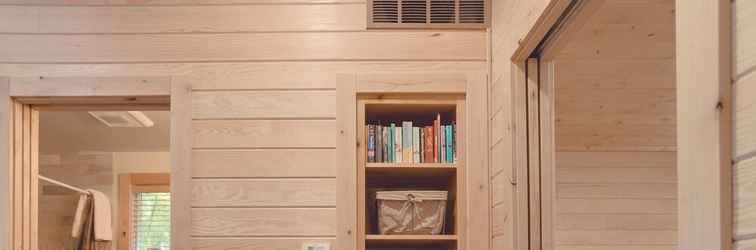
(428, 143)
(436, 128)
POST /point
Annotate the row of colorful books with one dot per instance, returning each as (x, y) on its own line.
(406, 143)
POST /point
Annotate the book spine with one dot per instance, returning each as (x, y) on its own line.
(415, 144)
(398, 157)
(371, 143)
(436, 142)
(378, 143)
(442, 149)
(407, 142)
(449, 144)
(391, 138)
(428, 144)
(422, 142)
(384, 145)
(454, 142)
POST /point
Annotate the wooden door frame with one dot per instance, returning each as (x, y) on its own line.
(101, 93)
(704, 128)
(473, 86)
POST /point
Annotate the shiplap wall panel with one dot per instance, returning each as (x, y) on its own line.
(268, 243)
(264, 192)
(744, 197)
(744, 49)
(182, 19)
(264, 133)
(388, 45)
(264, 104)
(745, 116)
(510, 22)
(167, 2)
(18, 19)
(261, 163)
(303, 222)
(616, 130)
(744, 119)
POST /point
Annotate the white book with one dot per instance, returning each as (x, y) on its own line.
(416, 144)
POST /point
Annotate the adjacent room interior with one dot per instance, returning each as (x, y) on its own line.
(122, 154)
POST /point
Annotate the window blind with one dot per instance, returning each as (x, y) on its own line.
(151, 219)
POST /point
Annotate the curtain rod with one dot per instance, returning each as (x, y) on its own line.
(63, 184)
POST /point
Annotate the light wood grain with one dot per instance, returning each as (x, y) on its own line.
(475, 183)
(390, 45)
(533, 96)
(346, 169)
(596, 75)
(744, 198)
(18, 19)
(264, 104)
(617, 222)
(519, 160)
(6, 157)
(414, 83)
(89, 86)
(743, 49)
(188, 19)
(616, 137)
(264, 193)
(549, 139)
(264, 163)
(616, 175)
(744, 117)
(168, 2)
(620, 247)
(616, 206)
(744, 245)
(703, 61)
(606, 237)
(264, 133)
(618, 190)
(621, 106)
(282, 243)
(318, 222)
(587, 159)
(181, 164)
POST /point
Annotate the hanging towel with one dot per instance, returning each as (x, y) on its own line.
(92, 222)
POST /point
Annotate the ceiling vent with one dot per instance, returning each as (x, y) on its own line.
(123, 119)
(428, 13)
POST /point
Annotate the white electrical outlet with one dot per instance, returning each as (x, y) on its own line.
(316, 246)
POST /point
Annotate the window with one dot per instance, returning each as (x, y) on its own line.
(145, 212)
(472, 14)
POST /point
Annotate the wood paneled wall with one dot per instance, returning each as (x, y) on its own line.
(263, 75)
(616, 177)
(511, 21)
(744, 148)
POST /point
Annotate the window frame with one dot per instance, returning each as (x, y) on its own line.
(128, 185)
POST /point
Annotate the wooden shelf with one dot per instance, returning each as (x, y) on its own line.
(412, 165)
(408, 170)
(409, 239)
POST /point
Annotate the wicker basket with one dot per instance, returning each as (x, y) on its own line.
(411, 212)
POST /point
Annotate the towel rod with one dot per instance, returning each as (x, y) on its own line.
(63, 184)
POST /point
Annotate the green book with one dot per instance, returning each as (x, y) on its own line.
(449, 144)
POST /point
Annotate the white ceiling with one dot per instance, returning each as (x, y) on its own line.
(72, 131)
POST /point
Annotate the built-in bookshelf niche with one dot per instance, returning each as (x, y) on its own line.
(439, 166)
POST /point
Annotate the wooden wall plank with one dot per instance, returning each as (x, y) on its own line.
(477, 186)
(625, 106)
(744, 198)
(616, 175)
(264, 133)
(608, 237)
(616, 137)
(520, 170)
(347, 230)
(189, 19)
(616, 206)
(621, 247)
(616, 74)
(704, 79)
(744, 244)
(18, 19)
(389, 45)
(618, 190)
(617, 159)
(181, 164)
(743, 49)
(264, 192)
(744, 117)
(264, 163)
(256, 243)
(6, 168)
(264, 104)
(414, 83)
(89, 86)
(617, 222)
(317, 222)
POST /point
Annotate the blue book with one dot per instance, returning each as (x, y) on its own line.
(391, 155)
(449, 144)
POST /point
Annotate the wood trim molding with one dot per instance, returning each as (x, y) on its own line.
(520, 157)
(548, 148)
(476, 167)
(128, 184)
(538, 32)
(181, 164)
(346, 171)
(5, 168)
(579, 16)
(704, 123)
(89, 86)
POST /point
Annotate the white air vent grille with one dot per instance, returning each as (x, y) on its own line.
(122, 119)
(428, 13)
